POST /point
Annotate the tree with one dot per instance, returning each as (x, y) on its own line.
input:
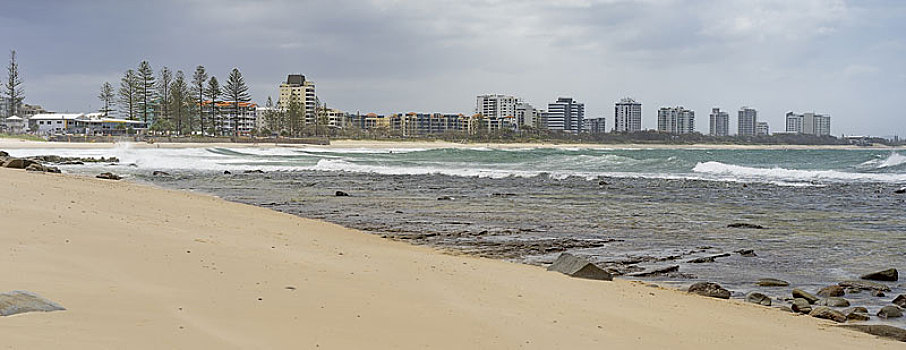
(213, 92)
(146, 88)
(129, 94)
(237, 93)
(14, 90)
(106, 96)
(296, 117)
(198, 81)
(165, 79)
(180, 96)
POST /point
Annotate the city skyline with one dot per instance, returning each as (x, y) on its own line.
(437, 56)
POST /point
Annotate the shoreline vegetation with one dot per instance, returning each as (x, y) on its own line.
(133, 264)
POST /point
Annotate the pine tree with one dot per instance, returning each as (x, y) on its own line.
(180, 96)
(165, 79)
(129, 94)
(14, 90)
(106, 96)
(236, 93)
(214, 91)
(146, 89)
(198, 91)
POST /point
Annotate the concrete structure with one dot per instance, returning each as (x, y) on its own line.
(675, 120)
(808, 123)
(762, 129)
(297, 89)
(627, 116)
(720, 123)
(14, 125)
(80, 123)
(526, 115)
(497, 106)
(226, 115)
(565, 115)
(595, 125)
(747, 121)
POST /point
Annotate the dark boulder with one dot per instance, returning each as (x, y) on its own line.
(863, 285)
(227, 172)
(17, 163)
(832, 291)
(109, 176)
(900, 190)
(745, 225)
(883, 331)
(655, 271)
(256, 171)
(707, 259)
(889, 275)
(52, 169)
(877, 293)
(772, 282)
(900, 301)
(709, 289)
(341, 194)
(758, 298)
(801, 306)
(579, 267)
(833, 302)
(35, 167)
(445, 198)
(160, 173)
(799, 293)
(4, 154)
(20, 301)
(857, 313)
(890, 311)
(827, 313)
(749, 253)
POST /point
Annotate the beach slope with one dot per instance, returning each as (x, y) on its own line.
(140, 267)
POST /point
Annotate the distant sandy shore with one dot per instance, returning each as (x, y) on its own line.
(6, 143)
(139, 267)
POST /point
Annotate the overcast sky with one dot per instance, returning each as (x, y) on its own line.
(843, 58)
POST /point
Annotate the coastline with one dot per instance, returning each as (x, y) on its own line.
(6, 143)
(138, 266)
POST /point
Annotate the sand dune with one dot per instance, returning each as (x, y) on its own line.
(140, 267)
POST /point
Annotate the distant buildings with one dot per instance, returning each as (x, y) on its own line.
(13, 125)
(720, 123)
(497, 106)
(82, 123)
(627, 116)
(748, 119)
(297, 90)
(228, 118)
(675, 120)
(762, 129)
(595, 125)
(808, 124)
(565, 115)
(526, 115)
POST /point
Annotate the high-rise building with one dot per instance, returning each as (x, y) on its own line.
(808, 123)
(720, 123)
(762, 129)
(496, 106)
(595, 125)
(526, 115)
(297, 89)
(627, 116)
(748, 119)
(675, 120)
(565, 115)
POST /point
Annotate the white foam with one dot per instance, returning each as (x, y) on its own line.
(781, 174)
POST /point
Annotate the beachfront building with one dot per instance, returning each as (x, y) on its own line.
(720, 123)
(82, 124)
(762, 129)
(747, 121)
(565, 115)
(233, 119)
(595, 125)
(498, 106)
(297, 90)
(808, 123)
(627, 116)
(526, 115)
(13, 125)
(675, 120)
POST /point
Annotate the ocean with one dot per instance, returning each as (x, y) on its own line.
(827, 215)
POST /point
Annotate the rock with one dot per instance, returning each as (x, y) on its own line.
(604, 183)
(109, 176)
(4, 154)
(890, 311)
(341, 194)
(749, 253)
(35, 167)
(833, 302)
(445, 198)
(758, 298)
(17, 163)
(772, 282)
(857, 313)
(745, 225)
(709, 289)
(900, 190)
(880, 330)
(831, 291)
(799, 293)
(900, 301)
(707, 259)
(877, 293)
(864, 285)
(578, 267)
(227, 172)
(52, 169)
(160, 173)
(889, 275)
(828, 314)
(20, 301)
(256, 171)
(655, 271)
(801, 306)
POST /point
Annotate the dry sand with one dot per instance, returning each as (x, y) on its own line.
(140, 267)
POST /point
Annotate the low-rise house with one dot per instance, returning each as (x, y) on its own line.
(82, 124)
(14, 125)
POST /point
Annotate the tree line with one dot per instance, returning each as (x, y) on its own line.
(174, 103)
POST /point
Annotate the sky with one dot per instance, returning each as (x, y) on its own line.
(842, 58)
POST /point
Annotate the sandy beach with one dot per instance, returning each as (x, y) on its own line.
(141, 267)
